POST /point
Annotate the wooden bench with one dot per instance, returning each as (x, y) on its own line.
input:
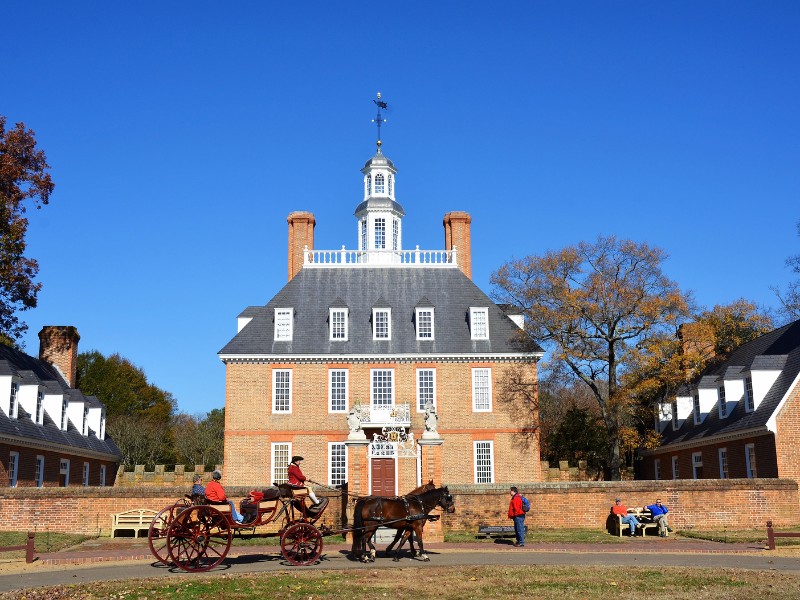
(136, 520)
(644, 519)
(492, 531)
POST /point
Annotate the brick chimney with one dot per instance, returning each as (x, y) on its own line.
(58, 346)
(456, 233)
(301, 234)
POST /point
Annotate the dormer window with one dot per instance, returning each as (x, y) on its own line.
(338, 324)
(12, 405)
(64, 418)
(380, 233)
(381, 324)
(379, 186)
(39, 407)
(424, 319)
(85, 426)
(723, 405)
(749, 401)
(479, 323)
(696, 409)
(283, 324)
(675, 415)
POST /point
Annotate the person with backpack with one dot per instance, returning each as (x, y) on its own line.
(516, 511)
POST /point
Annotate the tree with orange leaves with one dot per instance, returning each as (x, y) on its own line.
(593, 305)
(23, 180)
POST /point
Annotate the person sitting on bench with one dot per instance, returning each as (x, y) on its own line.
(298, 480)
(215, 494)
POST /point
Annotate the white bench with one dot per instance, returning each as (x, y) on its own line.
(135, 520)
(643, 517)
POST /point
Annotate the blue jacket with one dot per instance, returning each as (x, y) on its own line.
(656, 509)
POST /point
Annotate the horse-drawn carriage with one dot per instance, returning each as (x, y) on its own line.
(196, 536)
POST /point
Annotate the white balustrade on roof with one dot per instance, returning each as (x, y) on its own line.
(378, 258)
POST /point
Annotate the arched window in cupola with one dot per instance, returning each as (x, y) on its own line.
(379, 186)
(364, 234)
(391, 184)
(369, 185)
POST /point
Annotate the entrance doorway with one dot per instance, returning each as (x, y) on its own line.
(383, 481)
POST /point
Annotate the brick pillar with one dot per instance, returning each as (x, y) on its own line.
(432, 470)
(58, 345)
(457, 233)
(301, 234)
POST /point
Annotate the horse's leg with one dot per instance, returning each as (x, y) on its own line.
(397, 537)
(368, 538)
(418, 525)
(404, 533)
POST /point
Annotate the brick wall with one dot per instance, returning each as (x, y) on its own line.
(26, 473)
(788, 436)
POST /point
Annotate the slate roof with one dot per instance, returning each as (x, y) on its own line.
(314, 290)
(32, 371)
(778, 349)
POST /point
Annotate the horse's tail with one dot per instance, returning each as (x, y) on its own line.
(358, 529)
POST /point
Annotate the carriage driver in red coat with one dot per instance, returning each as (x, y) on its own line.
(297, 479)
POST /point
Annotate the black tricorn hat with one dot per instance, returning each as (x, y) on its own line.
(297, 458)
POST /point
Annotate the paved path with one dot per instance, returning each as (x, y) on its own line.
(114, 561)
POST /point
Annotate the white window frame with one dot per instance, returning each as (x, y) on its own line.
(39, 407)
(375, 378)
(39, 474)
(85, 474)
(284, 324)
(380, 185)
(375, 312)
(343, 386)
(749, 399)
(337, 463)
(696, 409)
(379, 227)
(485, 448)
(85, 424)
(280, 474)
(102, 475)
(395, 231)
(424, 333)
(64, 417)
(657, 468)
(722, 402)
(13, 400)
(276, 375)
(750, 461)
(422, 395)
(363, 234)
(479, 326)
(696, 463)
(722, 454)
(674, 415)
(478, 404)
(339, 331)
(676, 473)
(13, 468)
(63, 469)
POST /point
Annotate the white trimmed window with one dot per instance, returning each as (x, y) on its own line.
(284, 318)
(657, 468)
(39, 407)
(85, 474)
(426, 388)
(64, 472)
(380, 233)
(64, 418)
(723, 405)
(382, 388)
(484, 462)
(282, 390)
(674, 415)
(749, 401)
(363, 234)
(102, 475)
(697, 465)
(424, 323)
(381, 324)
(696, 409)
(379, 185)
(85, 424)
(723, 463)
(481, 390)
(280, 453)
(391, 184)
(12, 401)
(337, 463)
(676, 474)
(337, 390)
(338, 321)
(750, 460)
(13, 469)
(479, 323)
(39, 474)
(369, 185)
(395, 232)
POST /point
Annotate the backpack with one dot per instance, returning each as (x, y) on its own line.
(526, 505)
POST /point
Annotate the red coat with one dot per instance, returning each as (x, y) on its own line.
(515, 507)
(215, 492)
(296, 476)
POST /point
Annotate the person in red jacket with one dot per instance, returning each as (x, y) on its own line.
(215, 494)
(297, 479)
(516, 513)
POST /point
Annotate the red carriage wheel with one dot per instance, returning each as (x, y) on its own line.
(198, 539)
(301, 544)
(157, 533)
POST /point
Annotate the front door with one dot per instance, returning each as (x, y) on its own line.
(383, 483)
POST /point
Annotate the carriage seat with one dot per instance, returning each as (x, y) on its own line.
(290, 491)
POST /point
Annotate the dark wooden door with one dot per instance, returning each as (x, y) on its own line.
(383, 477)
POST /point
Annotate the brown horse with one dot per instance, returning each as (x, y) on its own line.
(407, 513)
(400, 532)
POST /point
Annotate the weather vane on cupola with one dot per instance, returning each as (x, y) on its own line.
(379, 119)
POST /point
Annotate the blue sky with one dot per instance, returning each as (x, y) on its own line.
(181, 135)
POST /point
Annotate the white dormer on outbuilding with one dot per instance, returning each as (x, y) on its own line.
(684, 404)
(764, 371)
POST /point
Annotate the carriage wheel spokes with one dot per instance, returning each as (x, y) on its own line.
(301, 544)
(199, 538)
(157, 533)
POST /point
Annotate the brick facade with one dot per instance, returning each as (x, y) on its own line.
(26, 475)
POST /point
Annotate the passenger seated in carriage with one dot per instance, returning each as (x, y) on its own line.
(298, 480)
(215, 494)
(198, 492)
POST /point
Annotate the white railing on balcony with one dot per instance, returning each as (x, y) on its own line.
(374, 258)
(398, 414)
